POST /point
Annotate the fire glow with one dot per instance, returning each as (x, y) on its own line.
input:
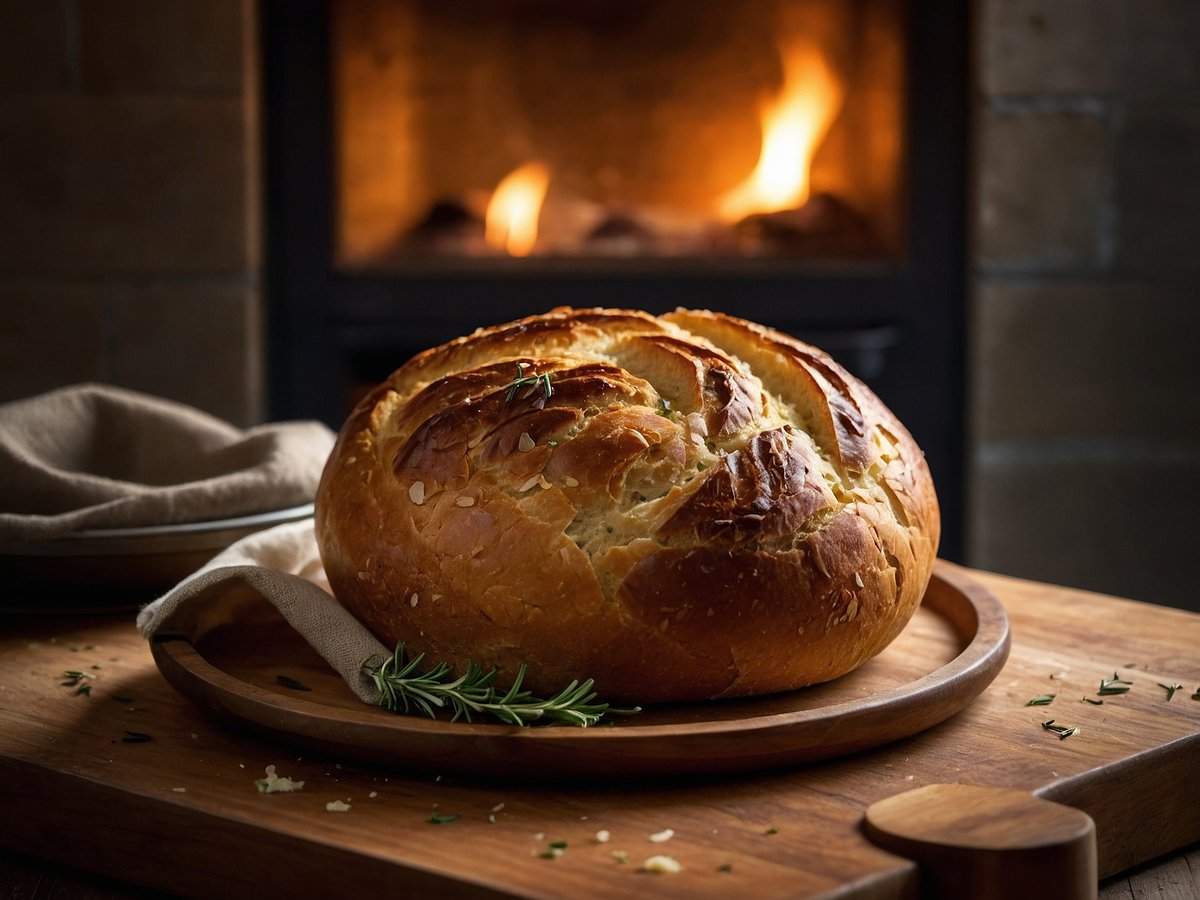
(511, 221)
(794, 124)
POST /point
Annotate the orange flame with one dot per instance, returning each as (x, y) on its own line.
(794, 124)
(511, 220)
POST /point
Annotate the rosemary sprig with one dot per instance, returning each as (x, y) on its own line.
(1041, 700)
(525, 385)
(402, 688)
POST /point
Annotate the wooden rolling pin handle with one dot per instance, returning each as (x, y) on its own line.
(984, 842)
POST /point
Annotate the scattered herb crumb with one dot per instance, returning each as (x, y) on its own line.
(1041, 700)
(277, 784)
(772, 830)
(725, 867)
(1063, 731)
(1170, 689)
(121, 698)
(84, 690)
(73, 678)
(136, 737)
(554, 850)
(437, 818)
(620, 856)
(1114, 685)
(288, 682)
(1091, 701)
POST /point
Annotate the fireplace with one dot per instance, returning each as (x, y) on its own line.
(432, 167)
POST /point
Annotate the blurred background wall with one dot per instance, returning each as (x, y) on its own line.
(131, 253)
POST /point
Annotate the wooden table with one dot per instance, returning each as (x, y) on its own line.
(181, 813)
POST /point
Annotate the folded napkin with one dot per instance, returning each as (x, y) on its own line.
(97, 456)
(282, 565)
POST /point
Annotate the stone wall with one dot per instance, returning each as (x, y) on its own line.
(1085, 308)
(129, 205)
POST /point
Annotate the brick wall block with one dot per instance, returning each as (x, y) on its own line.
(1043, 190)
(94, 185)
(1095, 359)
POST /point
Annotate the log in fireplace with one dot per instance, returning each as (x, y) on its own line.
(436, 166)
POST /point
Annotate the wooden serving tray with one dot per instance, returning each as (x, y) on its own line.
(987, 790)
(951, 650)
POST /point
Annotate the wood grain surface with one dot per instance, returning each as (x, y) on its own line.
(180, 811)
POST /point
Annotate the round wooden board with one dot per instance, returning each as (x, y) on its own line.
(952, 649)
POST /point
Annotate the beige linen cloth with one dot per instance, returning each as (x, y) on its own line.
(283, 566)
(96, 456)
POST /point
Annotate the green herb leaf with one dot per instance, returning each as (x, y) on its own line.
(402, 688)
(1063, 731)
(437, 818)
(1114, 685)
(1091, 701)
(772, 830)
(1170, 689)
(289, 682)
(1041, 700)
(136, 737)
(526, 385)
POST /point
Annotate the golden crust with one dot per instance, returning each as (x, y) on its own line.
(702, 507)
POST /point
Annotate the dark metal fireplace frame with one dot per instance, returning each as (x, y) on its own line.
(900, 326)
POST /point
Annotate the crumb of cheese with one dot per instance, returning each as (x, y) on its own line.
(337, 806)
(276, 784)
(660, 837)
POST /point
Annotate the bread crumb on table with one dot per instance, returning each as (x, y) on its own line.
(665, 864)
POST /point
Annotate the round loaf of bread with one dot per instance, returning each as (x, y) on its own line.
(681, 507)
